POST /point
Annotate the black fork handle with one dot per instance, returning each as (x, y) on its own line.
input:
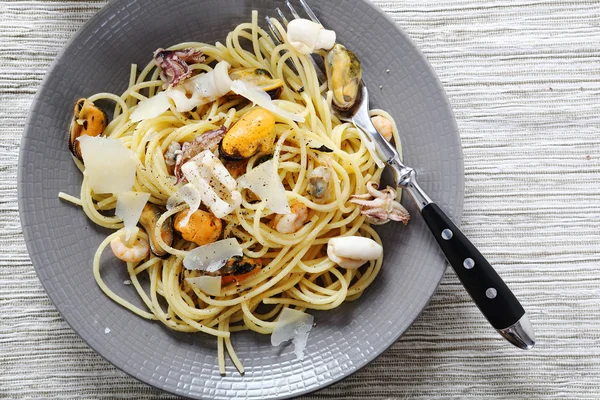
(488, 290)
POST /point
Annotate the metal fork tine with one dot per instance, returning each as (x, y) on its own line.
(279, 40)
(282, 16)
(273, 30)
(292, 9)
(310, 12)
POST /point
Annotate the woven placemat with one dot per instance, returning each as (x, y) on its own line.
(523, 77)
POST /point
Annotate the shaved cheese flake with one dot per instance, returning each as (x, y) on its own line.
(210, 285)
(211, 257)
(258, 96)
(129, 208)
(151, 108)
(266, 184)
(295, 325)
(109, 165)
(188, 194)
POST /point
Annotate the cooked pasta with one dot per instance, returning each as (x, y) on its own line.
(296, 271)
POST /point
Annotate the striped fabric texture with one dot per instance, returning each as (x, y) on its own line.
(523, 78)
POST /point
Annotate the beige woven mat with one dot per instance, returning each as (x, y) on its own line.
(523, 77)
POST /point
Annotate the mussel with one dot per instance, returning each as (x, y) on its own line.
(320, 184)
(236, 269)
(236, 168)
(259, 77)
(344, 74)
(150, 215)
(201, 228)
(253, 133)
(87, 120)
(239, 268)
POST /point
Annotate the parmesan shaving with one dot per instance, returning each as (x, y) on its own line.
(211, 257)
(190, 195)
(129, 208)
(210, 285)
(264, 182)
(295, 325)
(151, 108)
(109, 165)
(258, 96)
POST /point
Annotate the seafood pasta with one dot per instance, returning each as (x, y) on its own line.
(238, 200)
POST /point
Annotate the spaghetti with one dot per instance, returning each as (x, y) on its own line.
(296, 272)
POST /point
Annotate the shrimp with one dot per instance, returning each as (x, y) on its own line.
(384, 126)
(133, 254)
(292, 222)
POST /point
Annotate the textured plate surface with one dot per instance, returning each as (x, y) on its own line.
(61, 241)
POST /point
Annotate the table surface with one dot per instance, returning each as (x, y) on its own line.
(523, 78)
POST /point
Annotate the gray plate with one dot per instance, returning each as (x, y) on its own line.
(61, 241)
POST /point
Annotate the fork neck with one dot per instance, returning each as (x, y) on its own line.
(406, 178)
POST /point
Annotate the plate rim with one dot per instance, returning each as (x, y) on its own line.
(27, 229)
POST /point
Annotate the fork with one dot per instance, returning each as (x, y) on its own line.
(489, 292)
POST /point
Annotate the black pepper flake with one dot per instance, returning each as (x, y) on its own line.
(323, 149)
